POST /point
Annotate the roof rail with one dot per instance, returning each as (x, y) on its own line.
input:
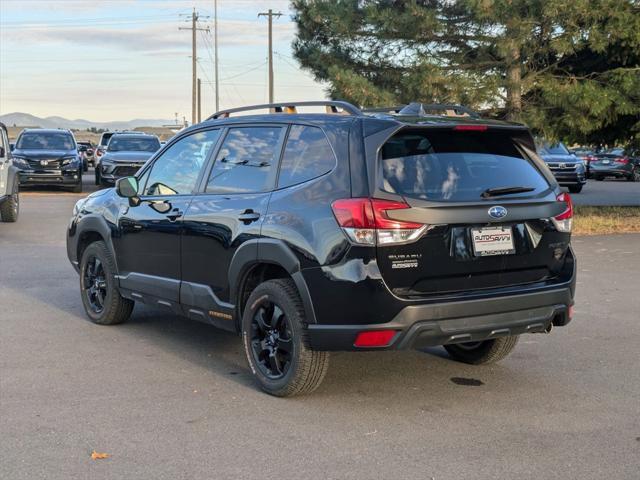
(331, 106)
(395, 109)
(451, 110)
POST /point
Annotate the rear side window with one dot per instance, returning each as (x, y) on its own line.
(447, 165)
(247, 161)
(306, 156)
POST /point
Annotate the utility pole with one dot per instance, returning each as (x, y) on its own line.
(194, 60)
(199, 101)
(270, 16)
(215, 43)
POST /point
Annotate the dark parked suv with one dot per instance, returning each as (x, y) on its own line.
(48, 157)
(313, 232)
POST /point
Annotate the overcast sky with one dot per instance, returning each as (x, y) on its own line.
(105, 60)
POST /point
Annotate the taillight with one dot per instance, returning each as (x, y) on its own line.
(470, 128)
(590, 158)
(624, 160)
(564, 221)
(366, 221)
(374, 338)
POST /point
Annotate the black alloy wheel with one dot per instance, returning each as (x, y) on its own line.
(271, 340)
(95, 284)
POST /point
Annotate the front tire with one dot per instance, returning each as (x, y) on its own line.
(274, 337)
(575, 188)
(10, 208)
(480, 353)
(100, 296)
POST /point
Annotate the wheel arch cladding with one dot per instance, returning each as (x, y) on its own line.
(90, 229)
(256, 252)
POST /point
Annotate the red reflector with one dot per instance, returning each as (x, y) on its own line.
(470, 128)
(374, 338)
(568, 213)
(570, 312)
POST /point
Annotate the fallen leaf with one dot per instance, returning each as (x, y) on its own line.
(97, 456)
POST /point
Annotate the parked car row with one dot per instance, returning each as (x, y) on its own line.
(615, 162)
(54, 157)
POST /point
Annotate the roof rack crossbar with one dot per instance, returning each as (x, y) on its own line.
(423, 108)
(331, 106)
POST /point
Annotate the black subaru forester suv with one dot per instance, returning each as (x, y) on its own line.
(314, 232)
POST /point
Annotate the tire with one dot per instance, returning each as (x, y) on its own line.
(599, 178)
(635, 175)
(10, 208)
(114, 308)
(282, 373)
(575, 188)
(78, 187)
(479, 353)
(97, 176)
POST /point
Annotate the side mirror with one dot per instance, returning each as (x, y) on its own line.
(127, 187)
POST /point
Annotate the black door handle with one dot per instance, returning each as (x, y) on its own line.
(174, 215)
(248, 216)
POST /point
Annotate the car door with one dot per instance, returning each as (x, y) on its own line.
(226, 213)
(149, 234)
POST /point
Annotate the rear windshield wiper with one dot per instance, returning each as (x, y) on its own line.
(497, 191)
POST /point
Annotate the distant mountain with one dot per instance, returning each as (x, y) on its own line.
(27, 120)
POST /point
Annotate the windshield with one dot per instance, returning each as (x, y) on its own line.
(554, 149)
(455, 166)
(45, 141)
(134, 144)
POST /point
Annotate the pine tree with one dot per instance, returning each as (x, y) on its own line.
(568, 68)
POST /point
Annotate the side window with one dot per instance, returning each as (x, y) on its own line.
(176, 171)
(247, 161)
(307, 155)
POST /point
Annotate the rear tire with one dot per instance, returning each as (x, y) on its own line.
(635, 175)
(274, 337)
(599, 178)
(480, 353)
(10, 208)
(575, 188)
(101, 298)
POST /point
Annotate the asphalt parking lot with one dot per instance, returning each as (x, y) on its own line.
(172, 399)
(609, 192)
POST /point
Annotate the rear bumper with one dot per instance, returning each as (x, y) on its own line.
(421, 326)
(611, 172)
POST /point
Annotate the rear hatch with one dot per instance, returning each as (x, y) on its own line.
(481, 202)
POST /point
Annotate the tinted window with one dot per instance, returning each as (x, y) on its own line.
(133, 144)
(307, 155)
(176, 170)
(454, 166)
(45, 141)
(246, 161)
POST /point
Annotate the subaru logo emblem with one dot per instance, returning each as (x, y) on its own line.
(497, 212)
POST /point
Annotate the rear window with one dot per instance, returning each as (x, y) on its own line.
(447, 165)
